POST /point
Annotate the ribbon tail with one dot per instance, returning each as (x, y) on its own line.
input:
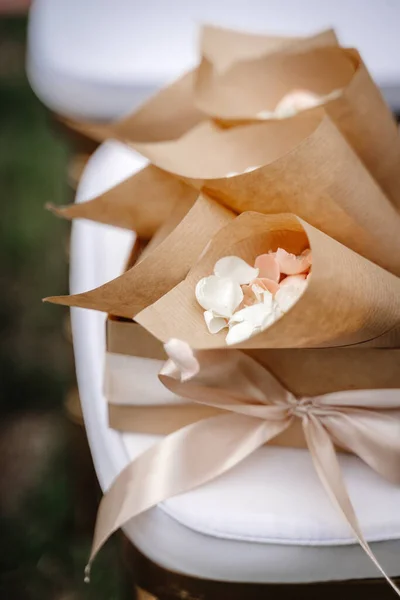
(184, 460)
(328, 469)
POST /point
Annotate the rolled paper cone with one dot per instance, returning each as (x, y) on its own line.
(250, 89)
(348, 300)
(159, 270)
(224, 47)
(305, 373)
(302, 165)
(166, 115)
(142, 202)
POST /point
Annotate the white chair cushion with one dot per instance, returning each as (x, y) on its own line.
(100, 59)
(268, 519)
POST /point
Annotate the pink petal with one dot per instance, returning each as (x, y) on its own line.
(290, 264)
(308, 254)
(268, 267)
(249, 297)
(267, 284)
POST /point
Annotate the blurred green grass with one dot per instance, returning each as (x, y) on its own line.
(35, 364)
(41, 555)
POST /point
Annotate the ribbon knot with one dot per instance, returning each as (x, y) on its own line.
(301, 407)
(255, 409)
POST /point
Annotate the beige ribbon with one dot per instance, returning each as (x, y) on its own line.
(258, 408)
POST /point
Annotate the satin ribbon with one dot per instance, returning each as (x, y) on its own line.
(258, 408)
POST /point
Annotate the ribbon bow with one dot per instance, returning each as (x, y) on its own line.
(258, 408)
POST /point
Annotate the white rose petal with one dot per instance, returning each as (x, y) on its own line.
(287, 296)
(219, 294)
(268, 300)
(235, 268)
(258, 292)
(214, 322)
(240, 332)
(254, 315)
(271, 317)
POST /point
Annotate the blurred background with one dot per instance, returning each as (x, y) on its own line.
(92, 59)
(48, 495)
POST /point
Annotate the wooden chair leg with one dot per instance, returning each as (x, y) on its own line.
(142, 595)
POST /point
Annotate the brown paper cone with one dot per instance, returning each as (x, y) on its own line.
(307, 168)
(142, 202)
(224, 47)
(167, 115)
(159, 270)
(360, 112)
(348, 299)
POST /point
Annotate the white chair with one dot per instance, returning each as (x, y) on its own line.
(266, 528)
(98, 59)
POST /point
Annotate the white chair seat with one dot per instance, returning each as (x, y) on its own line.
(98, 60)
(267, 520)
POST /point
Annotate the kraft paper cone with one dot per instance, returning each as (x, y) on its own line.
(348, 299)
(224, 47)
(142, 202)
(157, 271)
(167, 115)
(302, 165)
(360, 111)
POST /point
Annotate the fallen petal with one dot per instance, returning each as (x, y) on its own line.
(181, 354)
(235, 268)
(268, 267)
(214, 323)
(290, 264)
(219, 294)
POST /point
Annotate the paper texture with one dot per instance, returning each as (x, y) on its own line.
(172, 111)
(141, 203)
(167, 115)
(158, 270)
(223, 47)
(348, 299)
(302, 165)
(252, 87)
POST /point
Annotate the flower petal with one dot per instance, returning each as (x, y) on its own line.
(268, 267)
(254, 314)
(288, 295)
(219, 294)
(296, 101)
(214, 323)
(181, 355)
(267, 284)
(235, 268)
(290, 264)
(239, 333)
(296, 280)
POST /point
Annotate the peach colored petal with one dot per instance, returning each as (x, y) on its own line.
(249, 298)
(267, 284)
(290, 264)
(268, 267)
(308, 254)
